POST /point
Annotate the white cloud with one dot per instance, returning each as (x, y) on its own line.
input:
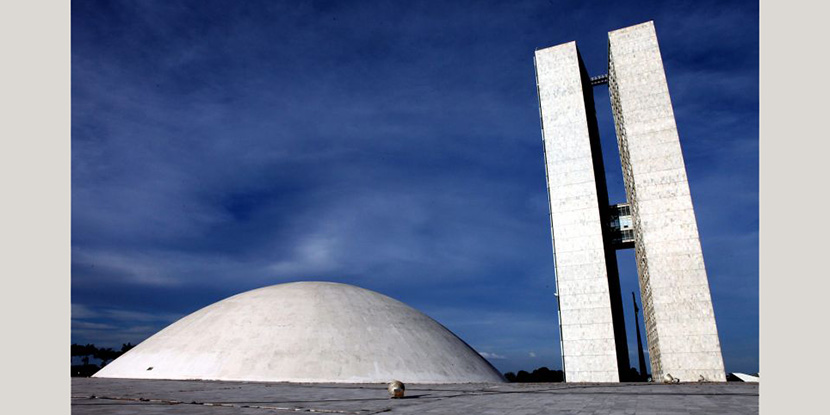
(491, 355)
(82, 311)
(314, 255)
(135, 267)
(78, 325)
(532, 354)
(136, 316)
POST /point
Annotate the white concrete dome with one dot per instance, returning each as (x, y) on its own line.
(305, 332)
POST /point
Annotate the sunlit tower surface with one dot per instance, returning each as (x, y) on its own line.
(657, 219)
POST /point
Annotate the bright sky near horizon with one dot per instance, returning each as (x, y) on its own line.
(222, 146)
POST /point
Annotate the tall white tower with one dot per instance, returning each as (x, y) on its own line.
(657, 220)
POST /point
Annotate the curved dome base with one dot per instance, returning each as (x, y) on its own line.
(306, 332)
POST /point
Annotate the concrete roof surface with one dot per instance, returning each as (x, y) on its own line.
(125, 396)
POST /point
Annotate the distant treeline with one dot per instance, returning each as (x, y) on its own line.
(541, 374)
(104, 354)
(544, 374)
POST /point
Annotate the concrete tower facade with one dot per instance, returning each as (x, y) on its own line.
(586, 266)
(657, 220)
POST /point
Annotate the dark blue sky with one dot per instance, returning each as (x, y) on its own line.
(223, 146)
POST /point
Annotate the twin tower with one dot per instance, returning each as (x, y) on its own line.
(658, 219)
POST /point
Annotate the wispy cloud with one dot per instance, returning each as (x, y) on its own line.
(84, 325)
(112, 327)
(491, 356)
